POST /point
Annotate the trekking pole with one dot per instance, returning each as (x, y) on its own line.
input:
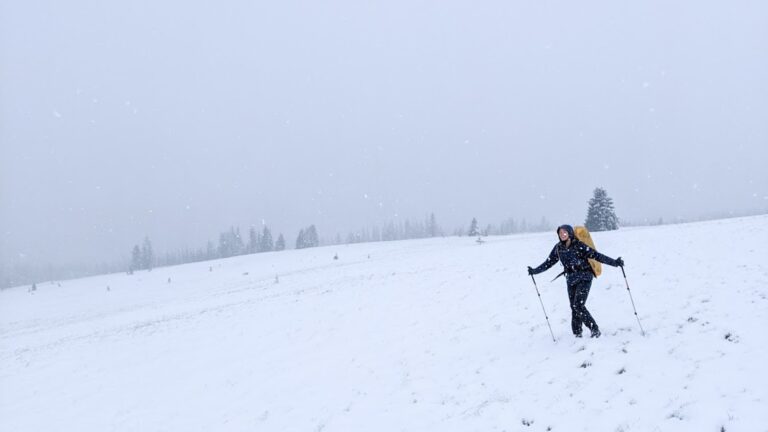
(542, 308)
(632, 300)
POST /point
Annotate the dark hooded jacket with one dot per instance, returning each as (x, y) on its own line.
(574, 258)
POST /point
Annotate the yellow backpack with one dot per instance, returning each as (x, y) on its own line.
(583, 235)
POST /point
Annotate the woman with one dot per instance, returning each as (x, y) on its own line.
(573, 255)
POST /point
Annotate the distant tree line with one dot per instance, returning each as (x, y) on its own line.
(403, 230)
(231, 243)
(429, 227)
(600, 216)
(505, 227)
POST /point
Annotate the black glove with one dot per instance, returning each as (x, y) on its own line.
(619, 262)
(530, 270)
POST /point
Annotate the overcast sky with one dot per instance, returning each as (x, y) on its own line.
(176, 119)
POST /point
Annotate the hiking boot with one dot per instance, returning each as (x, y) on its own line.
(578, 335)
(596, 333)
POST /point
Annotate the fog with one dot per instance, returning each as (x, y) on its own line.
(176, 120)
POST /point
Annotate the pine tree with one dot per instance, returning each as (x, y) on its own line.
(230, 243)
(266, 244)
(280, 244)
(239, 248)
(312, 239)
(600, 214)
(253, 241)
(433, 230)
(307, 238)
(147, 255)
(136, 263)
(224, 245)
(473, 230)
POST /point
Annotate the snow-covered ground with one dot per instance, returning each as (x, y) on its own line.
(427, 335)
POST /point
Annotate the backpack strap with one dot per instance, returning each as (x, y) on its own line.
(556, 277)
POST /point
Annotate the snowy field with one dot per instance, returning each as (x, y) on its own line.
(425, 335)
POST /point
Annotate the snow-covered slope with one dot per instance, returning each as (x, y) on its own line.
(428, 335)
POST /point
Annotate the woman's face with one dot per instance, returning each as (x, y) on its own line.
(563, 234)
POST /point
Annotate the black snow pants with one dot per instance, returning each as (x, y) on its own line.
(577, 295)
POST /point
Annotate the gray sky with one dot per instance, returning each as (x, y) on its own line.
(177, 119)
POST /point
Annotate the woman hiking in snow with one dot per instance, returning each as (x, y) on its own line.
(573, 255)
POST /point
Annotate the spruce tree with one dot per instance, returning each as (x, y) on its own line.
(307, 238)
(266, 244)
(224, 246)
(312, 239)
(280, 244)
(253, 241)
(136, 258)
(230, 243)
(238, 242)
(433, 230)
(600, 214)
(474, 231)
(147, 255)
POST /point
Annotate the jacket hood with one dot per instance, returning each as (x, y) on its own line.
(568, 229)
